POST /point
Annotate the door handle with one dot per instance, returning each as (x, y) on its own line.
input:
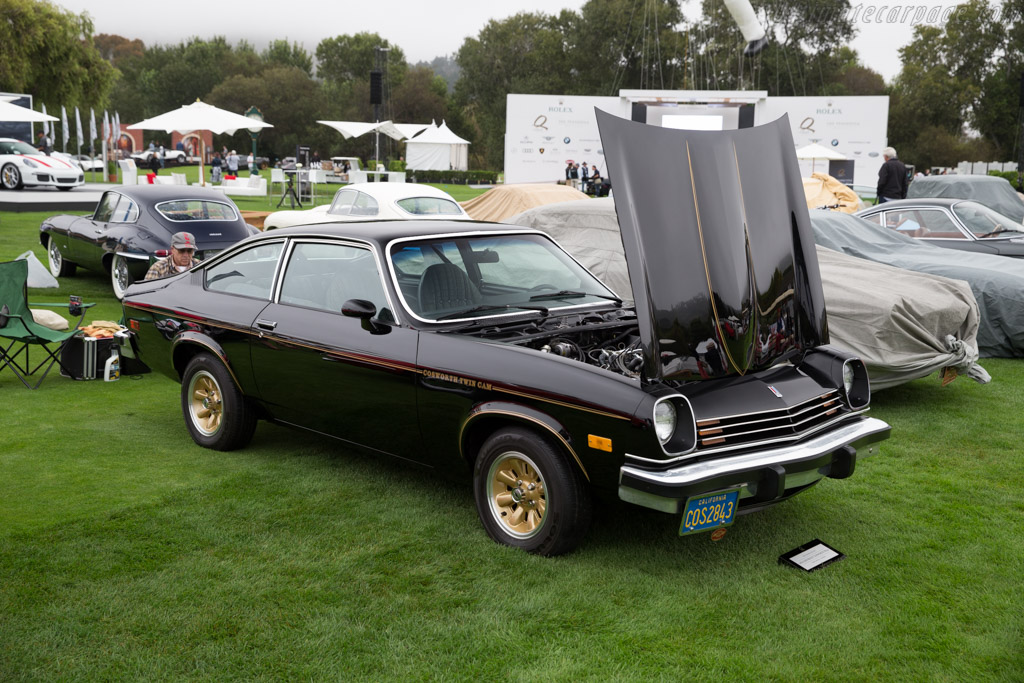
(265, 324)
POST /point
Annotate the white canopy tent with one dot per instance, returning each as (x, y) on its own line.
(437, 149)
(13, 113)
(397, 131)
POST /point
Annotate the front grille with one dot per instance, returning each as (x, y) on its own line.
(67, 181)
(787, 424)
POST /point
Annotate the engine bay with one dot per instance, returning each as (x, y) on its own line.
(609, 340)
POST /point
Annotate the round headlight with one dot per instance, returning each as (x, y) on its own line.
(847, 377)
(664, 420)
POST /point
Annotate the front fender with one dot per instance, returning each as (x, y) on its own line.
(484, 418)
(187, 344)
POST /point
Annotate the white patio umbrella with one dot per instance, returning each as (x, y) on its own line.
(815, 151)
(199, 116)
(13, 113)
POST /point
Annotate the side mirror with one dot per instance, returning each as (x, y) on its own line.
(365, 311)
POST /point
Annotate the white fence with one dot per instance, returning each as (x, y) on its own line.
(983, 167)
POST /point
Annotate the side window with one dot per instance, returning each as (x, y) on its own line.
(106, 206)
(342, 204)
(247, 273)
(126, 211)
(936, 223)
(875, 218)
(904, 222)
(365, 205)
(325, 276)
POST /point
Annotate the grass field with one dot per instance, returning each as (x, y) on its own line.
(128, 552)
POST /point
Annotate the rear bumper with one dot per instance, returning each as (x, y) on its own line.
(763, 476)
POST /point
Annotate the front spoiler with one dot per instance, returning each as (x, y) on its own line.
(765, 475)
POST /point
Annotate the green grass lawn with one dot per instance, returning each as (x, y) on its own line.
(129, 553)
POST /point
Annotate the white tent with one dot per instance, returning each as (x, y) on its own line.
(353, 129)
(437, 149)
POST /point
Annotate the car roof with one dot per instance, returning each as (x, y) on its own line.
(163, 193)
(384, 232)
(395, 191)
(917, 201)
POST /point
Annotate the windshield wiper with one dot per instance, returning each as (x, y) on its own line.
(571, 294)
(997, 232)
(492, 307)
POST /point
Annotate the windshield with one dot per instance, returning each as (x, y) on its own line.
(196, 210)
(467, 277)
(984, 222)
(16, 147)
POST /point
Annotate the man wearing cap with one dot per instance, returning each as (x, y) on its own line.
(183, 257)
(892, 177)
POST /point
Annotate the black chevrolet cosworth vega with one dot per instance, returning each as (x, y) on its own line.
(486, 350)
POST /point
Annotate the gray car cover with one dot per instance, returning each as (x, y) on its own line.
(997, 281)
(903, 324)
(995, 193)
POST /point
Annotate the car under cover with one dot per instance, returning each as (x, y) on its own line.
(901, 323)
(997, 281)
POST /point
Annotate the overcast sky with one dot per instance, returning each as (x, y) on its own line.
(424, 29)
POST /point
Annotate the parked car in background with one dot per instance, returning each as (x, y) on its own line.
(997, 281)
(486, 351)
(88, 163)
(994, 192)
(370, 201)
(171, 157)
(951, 223)
(132, 226)
(22, 165)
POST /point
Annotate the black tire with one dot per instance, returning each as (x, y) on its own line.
(529, 495)
(59, 267)
(216, 413)
(10, 177)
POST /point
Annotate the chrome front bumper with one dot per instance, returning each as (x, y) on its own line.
(765, 475)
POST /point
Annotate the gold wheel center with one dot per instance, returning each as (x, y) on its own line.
(518, 498)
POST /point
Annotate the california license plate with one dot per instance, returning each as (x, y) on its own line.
(709, 511)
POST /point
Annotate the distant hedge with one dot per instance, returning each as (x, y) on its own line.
(1011, 176)
(453, 177)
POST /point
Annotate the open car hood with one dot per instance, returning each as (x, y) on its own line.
(718, 244)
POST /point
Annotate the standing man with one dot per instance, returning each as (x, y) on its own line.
(233, 163)
(584, 176)
(250, 161)
(183, 257)
(163, 155)
(892, 177)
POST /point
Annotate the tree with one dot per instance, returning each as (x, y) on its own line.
(281, 53)
(349, 58)
(49, 52)
(115, 48)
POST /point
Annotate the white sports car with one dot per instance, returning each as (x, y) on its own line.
(171, 156)
(375, 201)
(22, 164)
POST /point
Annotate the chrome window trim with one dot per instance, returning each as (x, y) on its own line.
(234, 211)
(224, 255)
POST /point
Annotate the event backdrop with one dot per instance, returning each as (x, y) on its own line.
(542, 132)
(854, 126)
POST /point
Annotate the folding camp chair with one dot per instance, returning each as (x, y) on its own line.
(18, 331)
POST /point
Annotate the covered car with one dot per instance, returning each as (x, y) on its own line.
(486, 351)
(961, 224)
(822, 191)
(132, 226)
(997, 282)
(992, 191)
(502, 201)
(903, 325)
(22, 165)
(369, 201)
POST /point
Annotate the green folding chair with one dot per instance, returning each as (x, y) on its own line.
(19, 332)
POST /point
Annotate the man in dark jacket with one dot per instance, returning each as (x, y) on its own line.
(892, 177)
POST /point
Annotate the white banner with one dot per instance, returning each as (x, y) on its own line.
(543, 132)
(853, 126)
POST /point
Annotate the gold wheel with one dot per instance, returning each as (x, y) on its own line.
(516, 495)
(206, 404)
